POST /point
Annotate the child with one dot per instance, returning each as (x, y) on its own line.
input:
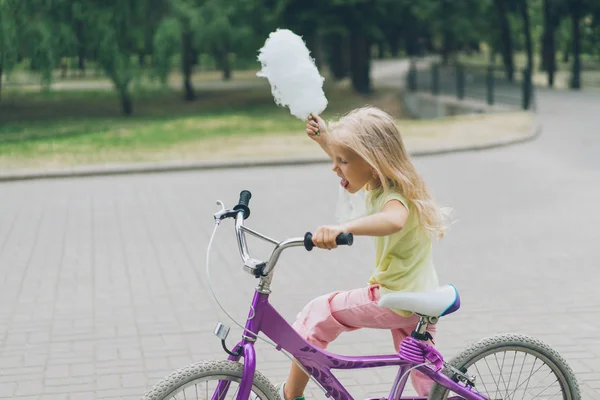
(368, 154)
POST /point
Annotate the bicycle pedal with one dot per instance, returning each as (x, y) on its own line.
(221, 331)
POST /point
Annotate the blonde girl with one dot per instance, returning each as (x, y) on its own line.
(368, 155)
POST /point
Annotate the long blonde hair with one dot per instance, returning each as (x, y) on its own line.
(373, 135)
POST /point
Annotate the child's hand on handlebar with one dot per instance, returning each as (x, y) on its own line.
(325, 236)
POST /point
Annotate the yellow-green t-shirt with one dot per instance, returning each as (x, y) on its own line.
(403, 260)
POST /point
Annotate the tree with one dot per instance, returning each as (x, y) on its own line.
(153, 14)
(455, 25)
(337, 50)
(347, 27)
(506, 41)
(9, 16)
(175, 34)
(527, 33)
(165, 43)
(576, 11)
(551, 12)
(45, 35)
(115, 31)
(222, 32)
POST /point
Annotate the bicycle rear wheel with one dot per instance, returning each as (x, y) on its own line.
(216, 380)
(514, 367)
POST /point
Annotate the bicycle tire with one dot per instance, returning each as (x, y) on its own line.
(512, 342)
(184, 378)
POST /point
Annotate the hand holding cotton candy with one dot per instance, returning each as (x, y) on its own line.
(294, 78)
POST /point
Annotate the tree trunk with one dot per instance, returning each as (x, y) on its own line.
(505, 40)
(492, 59)
(313, 43)
(225, 66)
(448, 37)
(547, 32)
(548, 43)
(544, 49)
(126, 103)
(381, 50)
(186, 64)
(410, 44)
(394, 45)
(446, 47)
(360, 61)
(338, 56)
(426, 45)
(81, 64)
(551, 54)
(80, 48)
(566, 52)
(576, 11)
(527, 33)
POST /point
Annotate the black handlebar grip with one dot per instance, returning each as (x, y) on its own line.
(244, 202)
(344, 239)
(341, 239)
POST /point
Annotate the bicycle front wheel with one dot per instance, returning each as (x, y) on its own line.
(216, 380)
(514, 367)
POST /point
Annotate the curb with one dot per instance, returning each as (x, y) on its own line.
(152, 168)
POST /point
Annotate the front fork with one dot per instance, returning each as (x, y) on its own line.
(245, 349)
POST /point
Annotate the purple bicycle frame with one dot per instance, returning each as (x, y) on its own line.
(264, 318)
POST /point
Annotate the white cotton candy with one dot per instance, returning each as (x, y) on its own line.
(294, 78)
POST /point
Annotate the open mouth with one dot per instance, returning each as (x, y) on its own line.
(344, 183)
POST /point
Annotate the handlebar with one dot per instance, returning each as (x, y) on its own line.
(260, 268)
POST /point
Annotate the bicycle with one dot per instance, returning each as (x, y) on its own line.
(454, 377)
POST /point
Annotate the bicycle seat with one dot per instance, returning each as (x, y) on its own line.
(438, 302)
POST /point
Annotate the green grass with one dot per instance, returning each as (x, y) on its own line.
(69, 128)
(88, 125)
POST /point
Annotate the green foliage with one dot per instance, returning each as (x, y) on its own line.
(8, 34)
(120, 35)
(166, 44)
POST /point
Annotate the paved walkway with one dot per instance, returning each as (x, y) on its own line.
(103, 291)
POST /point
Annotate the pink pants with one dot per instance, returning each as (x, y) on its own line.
(324, 318)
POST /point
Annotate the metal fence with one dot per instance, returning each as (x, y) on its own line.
(487, 84)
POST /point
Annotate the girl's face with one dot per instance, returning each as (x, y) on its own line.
(354, 171)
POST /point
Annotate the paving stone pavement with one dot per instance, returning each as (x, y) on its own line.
(103, 289)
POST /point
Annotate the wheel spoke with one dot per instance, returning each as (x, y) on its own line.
(559, 392)
(236, 392)
(540, 381)
(528, 379)
(520, 372)
(484, 386)
(510, 376)
(501, 369)
(531, 374)
(492, 374)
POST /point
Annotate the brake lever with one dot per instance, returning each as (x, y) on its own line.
(223, 213)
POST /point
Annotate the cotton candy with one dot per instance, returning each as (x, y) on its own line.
(294, 78)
